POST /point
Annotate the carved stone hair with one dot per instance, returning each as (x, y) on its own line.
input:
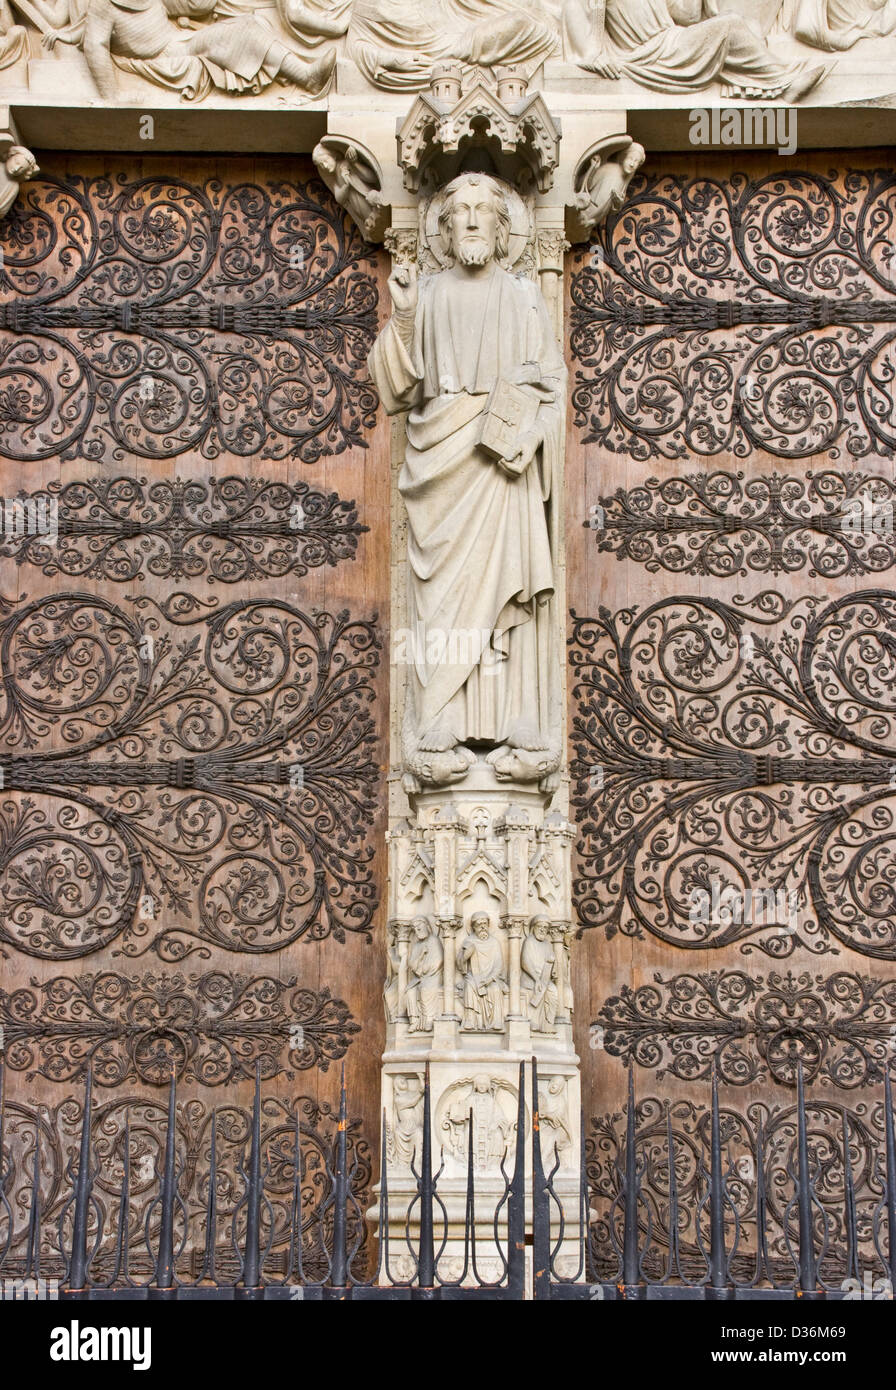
(502, 240)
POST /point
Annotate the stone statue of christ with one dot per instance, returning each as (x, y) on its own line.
(481, 547)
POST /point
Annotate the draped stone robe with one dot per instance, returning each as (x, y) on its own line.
(480, 544)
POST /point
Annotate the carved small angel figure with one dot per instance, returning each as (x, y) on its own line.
(18, 166)
(353, 184)
(605, 183)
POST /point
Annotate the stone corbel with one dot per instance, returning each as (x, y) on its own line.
(601, 182)
(354, 177)
(17, 164)
(494, 124)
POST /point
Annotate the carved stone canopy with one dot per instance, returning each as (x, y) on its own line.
(488, 123)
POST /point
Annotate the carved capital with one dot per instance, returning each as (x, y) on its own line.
(552, 247)
(401, 243)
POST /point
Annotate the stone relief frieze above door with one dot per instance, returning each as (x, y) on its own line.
(304, 53)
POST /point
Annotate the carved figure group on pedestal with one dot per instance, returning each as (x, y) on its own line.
(415, 953)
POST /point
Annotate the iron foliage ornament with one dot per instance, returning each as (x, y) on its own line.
(834, 525)
(227, 529)
(735, 772)
(211, 1028)
(152, 317)
(197, 775)
(840, 1027)
(719, 316)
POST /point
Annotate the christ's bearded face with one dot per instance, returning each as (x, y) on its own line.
(474, 224)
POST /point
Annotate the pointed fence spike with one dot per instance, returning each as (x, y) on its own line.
(849, 1202)
(808, 1279)
(77, 1271)
(718, 1256)
(32, 1257)
(516, 1200)
(890, 1142)
(251, 1276)
(541, 1212)
(426, 1262)
(630, 1192)
(211, 1204)
(339, 1260)
(165, 1258)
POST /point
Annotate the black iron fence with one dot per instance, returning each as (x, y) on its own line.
(543, 1250)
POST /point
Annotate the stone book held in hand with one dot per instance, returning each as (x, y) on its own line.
(511, 413)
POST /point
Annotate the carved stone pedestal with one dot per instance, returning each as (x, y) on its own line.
(478, 982)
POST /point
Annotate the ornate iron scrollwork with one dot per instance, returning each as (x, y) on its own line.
(836, 524)
(230, 529)
(210, 1028)
(841, 1027)
(715, 760)
(207, 776)
(141, 1120)
(722, 316)
(152, 317)
(776, 1126)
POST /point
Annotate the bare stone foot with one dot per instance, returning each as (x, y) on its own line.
(441, 767)
(525, 734)
(438, 739)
